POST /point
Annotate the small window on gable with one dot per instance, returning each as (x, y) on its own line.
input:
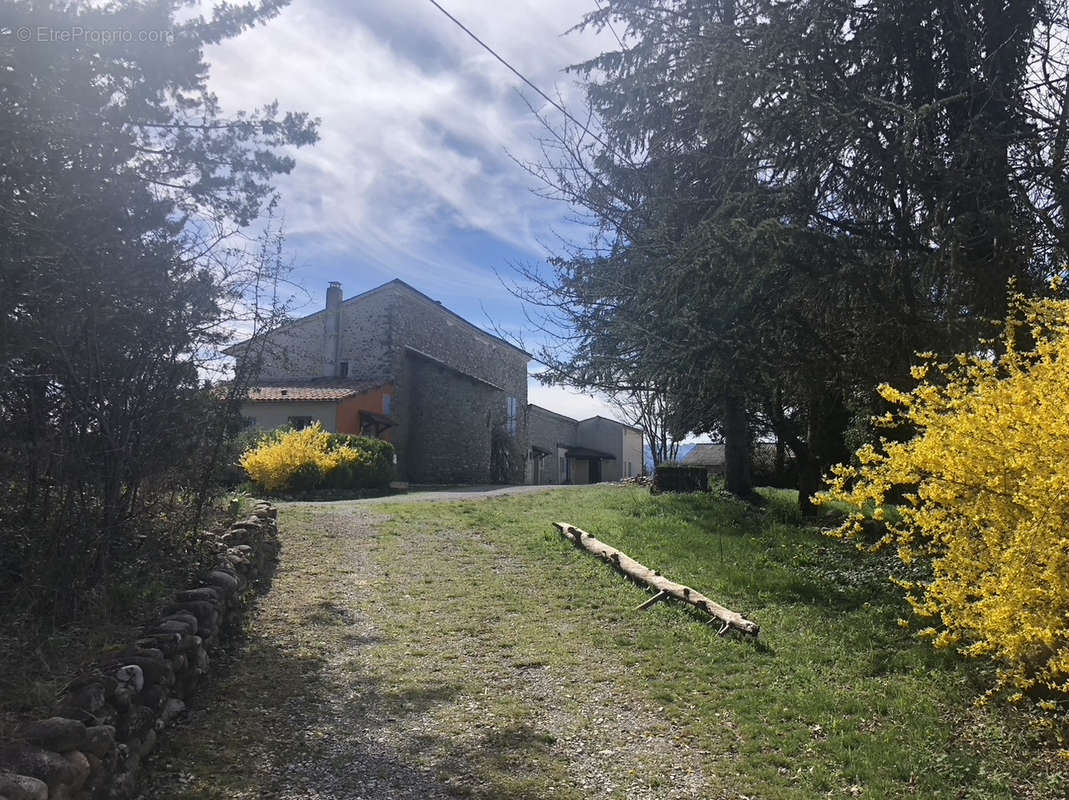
(511, 408)
(300, 423)
(343, 369)
(387, 404)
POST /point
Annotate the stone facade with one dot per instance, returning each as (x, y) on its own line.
(450, 418)
(451, 381)
(550, 431)
(623, 441)
(364, 326)
(566, 450)
(453, 418)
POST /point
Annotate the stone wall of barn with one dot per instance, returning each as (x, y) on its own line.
(450, 425)
(443, 434)
(551, 431)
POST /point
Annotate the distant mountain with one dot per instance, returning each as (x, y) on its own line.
(683, 450)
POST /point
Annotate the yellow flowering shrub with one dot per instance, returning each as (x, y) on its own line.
(311, 458)
(983, 494)
(280, 458)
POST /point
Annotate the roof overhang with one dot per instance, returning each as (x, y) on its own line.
(380, 420)
(589, 453)
(323, 389)
(298, 394)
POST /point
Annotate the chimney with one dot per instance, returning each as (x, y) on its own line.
(332, 329)
(333, 296)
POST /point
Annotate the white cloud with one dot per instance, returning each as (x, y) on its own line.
(416, 121)
(570, 402)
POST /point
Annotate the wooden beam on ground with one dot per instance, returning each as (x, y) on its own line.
(730, 620)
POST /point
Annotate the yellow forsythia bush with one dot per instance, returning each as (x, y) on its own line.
(301, 459)
(984, 491)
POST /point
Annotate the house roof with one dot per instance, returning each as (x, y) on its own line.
(542, 409)
(299, 394)
(310, 390)
(234, 349)
(574, 421)
(713, 455)
(704, 455)
(613, 421)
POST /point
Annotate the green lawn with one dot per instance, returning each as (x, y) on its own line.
(836, 698)
(465, 649)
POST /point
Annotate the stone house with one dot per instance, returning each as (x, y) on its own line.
(394, 363)
(566, 450)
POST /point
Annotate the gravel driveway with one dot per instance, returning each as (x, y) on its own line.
(374, 670)
(450, 494)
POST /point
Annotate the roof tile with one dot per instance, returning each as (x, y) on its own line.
(308, 390)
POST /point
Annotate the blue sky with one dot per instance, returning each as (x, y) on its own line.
(414, 177)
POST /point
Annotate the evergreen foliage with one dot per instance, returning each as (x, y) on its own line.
(120, 176)
(787, 200)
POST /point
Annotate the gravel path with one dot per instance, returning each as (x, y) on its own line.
(450, 494)
(372, 671)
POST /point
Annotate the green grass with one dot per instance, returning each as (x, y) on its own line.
(834, 698)
(468, 644)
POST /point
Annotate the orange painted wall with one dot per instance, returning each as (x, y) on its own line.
(372, 400)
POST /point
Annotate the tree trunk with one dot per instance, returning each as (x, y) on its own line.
(737, 477)
(665, 588)
(824, 446)
(808, 480)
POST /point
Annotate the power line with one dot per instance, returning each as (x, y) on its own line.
(608, 23)
(523, 78)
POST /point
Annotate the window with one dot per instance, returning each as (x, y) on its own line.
(387, 404)
(628, 469)
(511, 408)
(248, 422)
(343, 369)
(300, 423)
(563, 475)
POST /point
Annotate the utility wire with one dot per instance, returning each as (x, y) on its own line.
(523, 78)
(608, 23)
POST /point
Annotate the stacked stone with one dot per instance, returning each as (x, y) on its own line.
(110, 718)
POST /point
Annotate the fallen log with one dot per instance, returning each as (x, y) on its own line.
(730, 620)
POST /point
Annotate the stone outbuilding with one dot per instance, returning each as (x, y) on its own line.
(709, 455)
(394, 363)
(768, 465)
(566, 450)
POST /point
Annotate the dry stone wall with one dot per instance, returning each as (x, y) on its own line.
(112, 717)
